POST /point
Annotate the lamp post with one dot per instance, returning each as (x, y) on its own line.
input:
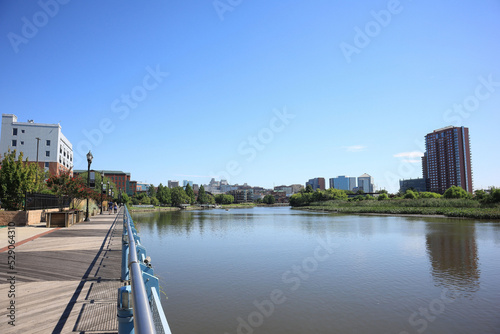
(102, 190)
(89, 160)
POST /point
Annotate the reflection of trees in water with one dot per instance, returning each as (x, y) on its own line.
(453, 254)
(186, 222)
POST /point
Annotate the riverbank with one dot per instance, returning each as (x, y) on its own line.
(156, 208)
(400, 208)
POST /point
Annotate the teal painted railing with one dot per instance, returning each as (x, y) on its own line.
(139, 306)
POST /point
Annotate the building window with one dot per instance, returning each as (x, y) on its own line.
(47, 153)
(14, 131)
(22, 143)
(47, 143)
(14, 142)
(22, 131)
(46, 165)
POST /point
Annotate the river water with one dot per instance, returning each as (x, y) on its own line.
(277, 270)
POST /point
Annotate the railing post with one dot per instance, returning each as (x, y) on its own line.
(125, 311)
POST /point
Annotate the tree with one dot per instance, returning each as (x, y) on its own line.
(336, 194)
(456, 192)
(224, 199)
(309, 189)
(155, 201)
(125, 198)
(300, 199)
(151, 191)
(382, 197)
(74, 187)
(178, 196)
(202, 196)
(428, 194)
(410, 194)
(163, 194)
(190, 193)
(269, 199)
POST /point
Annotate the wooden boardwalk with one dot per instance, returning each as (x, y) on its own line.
(66, 281)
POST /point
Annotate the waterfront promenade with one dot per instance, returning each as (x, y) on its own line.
(65, 280)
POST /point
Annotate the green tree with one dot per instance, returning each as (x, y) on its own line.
(11, 181)
(155, 201)
(202, 195)
(428, 194)
(410, 194)
(224, 199)
(456, 192)
(190, 193)
(178, 196)
(269, 199)
(382, 197)
(210, 199)
(336, 194)
(151, 191)
(309, 189)
(125, 198)
(300, 199)
(164, 194)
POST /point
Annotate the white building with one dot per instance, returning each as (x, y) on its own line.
(44, 143)
(365, 183)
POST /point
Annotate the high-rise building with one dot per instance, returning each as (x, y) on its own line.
(317, 183)
(186, 182)
(173, 183)
(447, 160)
(343, 182)
(42, 143)
(365, 183)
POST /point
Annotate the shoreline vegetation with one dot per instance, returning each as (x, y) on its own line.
(454, 203)
(451, 208)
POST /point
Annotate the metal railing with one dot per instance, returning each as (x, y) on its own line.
(140, 300)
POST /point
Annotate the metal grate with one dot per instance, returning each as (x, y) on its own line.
(159, 319)
(97, 317)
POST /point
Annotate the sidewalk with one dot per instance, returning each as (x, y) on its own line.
(64, 281)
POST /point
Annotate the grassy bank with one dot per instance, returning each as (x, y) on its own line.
(238, 206)
(156, 208)
(450, 208)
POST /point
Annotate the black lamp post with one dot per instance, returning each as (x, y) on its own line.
(102, 190)
(89, 160)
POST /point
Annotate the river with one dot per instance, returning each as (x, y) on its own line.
(278, 270)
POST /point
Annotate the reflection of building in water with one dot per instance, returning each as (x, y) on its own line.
(453, 255)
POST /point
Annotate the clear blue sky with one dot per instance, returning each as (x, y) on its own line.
(359, 94)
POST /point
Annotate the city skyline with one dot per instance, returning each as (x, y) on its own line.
(185, 91)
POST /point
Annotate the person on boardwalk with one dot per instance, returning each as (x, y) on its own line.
(110, 208)
(116, 207)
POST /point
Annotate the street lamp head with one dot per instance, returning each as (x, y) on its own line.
(89, 157)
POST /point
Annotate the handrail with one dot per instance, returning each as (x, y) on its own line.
(143, 318)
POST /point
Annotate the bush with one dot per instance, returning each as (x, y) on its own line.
(382, 197)
(456, 192)
(269, 199)
(410, 194)
(428, 194)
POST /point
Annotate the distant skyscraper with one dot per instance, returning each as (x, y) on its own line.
(173, 183)
(186, 182)
(343, 182)
(365, 183)
(317, 183)
(447, 160)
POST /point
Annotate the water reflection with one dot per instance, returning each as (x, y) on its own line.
(452, 251)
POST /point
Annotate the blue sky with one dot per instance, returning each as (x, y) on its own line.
(263, 92)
